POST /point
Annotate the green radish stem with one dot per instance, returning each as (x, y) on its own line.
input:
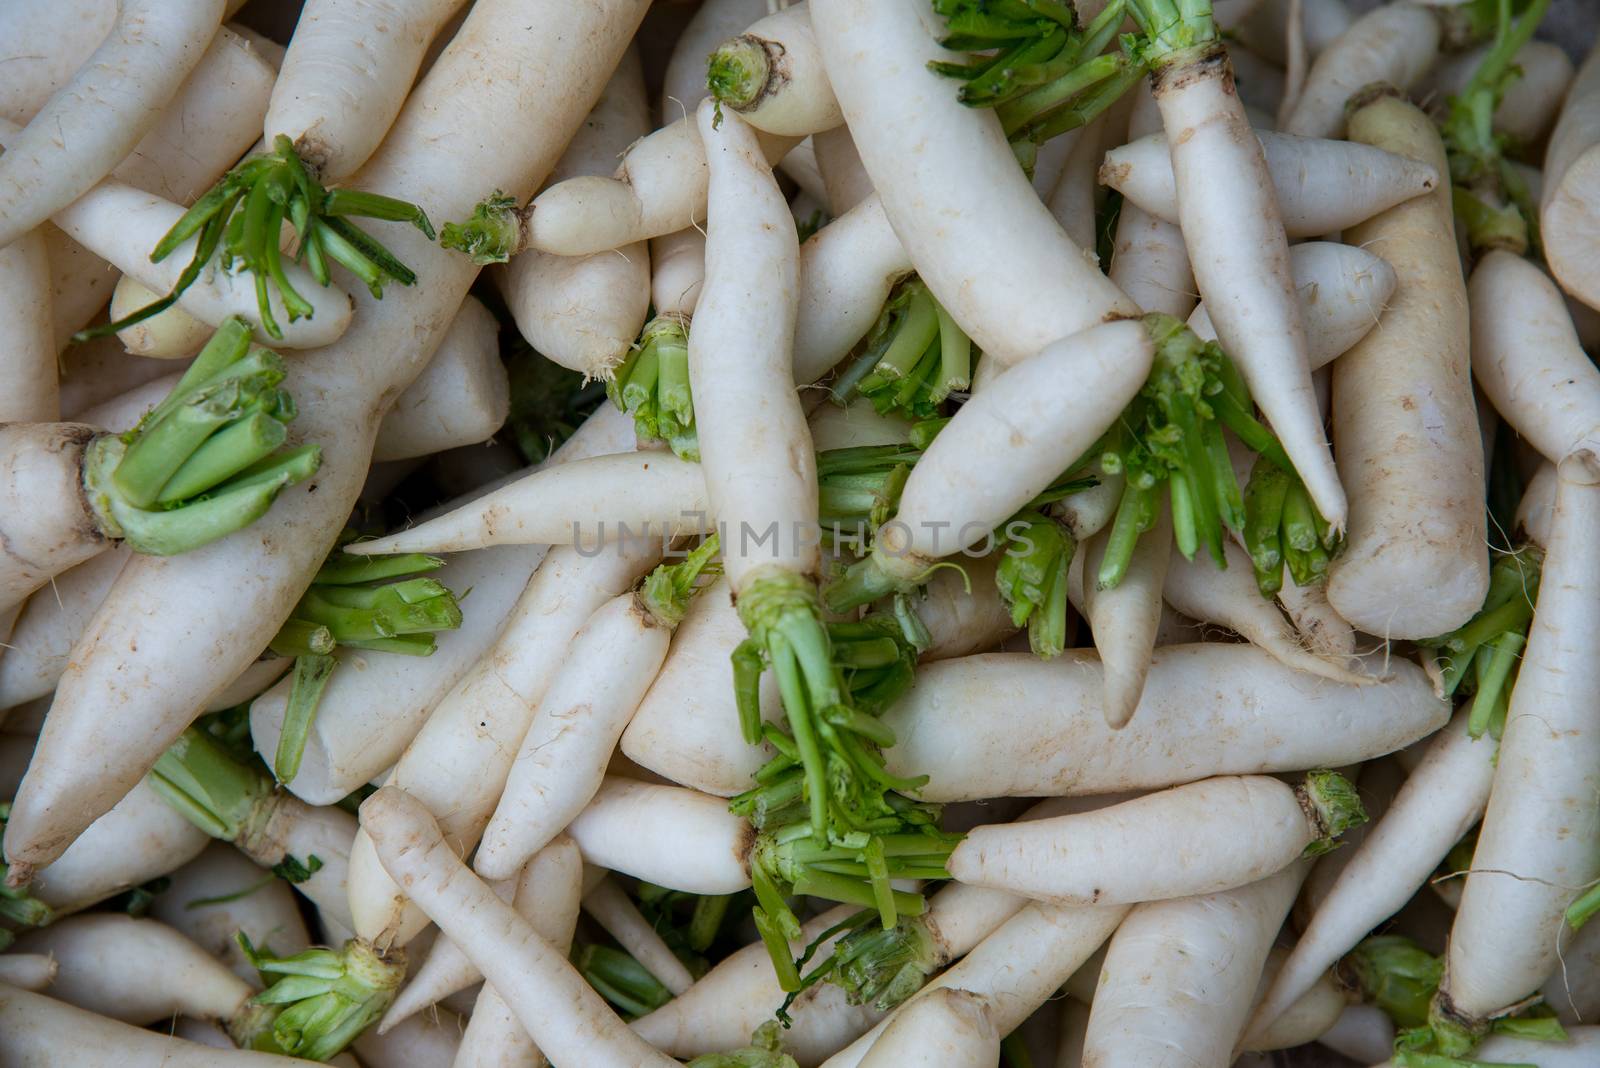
(764, 1051)
(1481, 656)
(621, 980)
(492, 234)
(322, 1000)
(206, 461)
(915, 356)
(242, 216)
(652, 385)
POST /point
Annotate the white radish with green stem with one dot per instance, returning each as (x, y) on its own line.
(222, 892)
(949, 1028)
(584, 312)
(1188, 838)
(117, 660)
(930, 158)
(772, 75)
(1404, 418)
(610, 907)
(1005, 724)
(113, 99)
(1531, 102)
(666, 835)
(1321, 186)
(683, 85)
(1124, 618)
(1394, 43)
(1440, 801)
(1526, 868)
(563, 1015)
(1569, 214)
(1157, 1005)
(547, 896)
(204, 463)
(458, 762)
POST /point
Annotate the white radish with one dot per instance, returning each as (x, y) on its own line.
(28, 377)
(1571, 989)
(1578, 1050)
(1073, 199)
(1307, 1019)
(1229, 598)
(584, 312)
(665, 835)
(1148, 259)
(1124, 619)
(1364, 1033)
(1440, 802)
(1342, 290)
(45, 44)
(1530, 862)
(458, 762)
(846, 181)
(1187, 839)
(588, 503)
(847, 269)
(683, 85)
(1016, 968)
(427, 1040)
(564, 1016)
(951, 186)
(610, 907)
(1404, 421)
(949, 1029)
(113, 99)
(677, 270)
(27, 971)
(1322, 186)
(1527, 359)
(1004, 724)
(1178, 975)
(172, 334)
(1569, 214)
(460, 398)
(1266, 30)
(772, 75)
(136, 971)
(37, 1032)
(960, 621)
(1396, 43)
(222, 892)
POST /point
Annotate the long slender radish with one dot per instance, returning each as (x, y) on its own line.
(564, 1016)
(1016, 968)
(1230, 598)
(1439, 802)
(1404, 420)
(1528, 863)
(1265, 30)
(951, 186)
(548, 897)
(772, 75)
(45, 45)
(1000, 724)
(1395, 43)
(203, 464)
(1569, 217)
(37, 1031)
(547, 891)
(1343, 291)
(1527, 358)
(609, 666)
(158, 972)
(584, 312)
(1322, 186)
(355, 379)
(458, 762)
(844, 179)
(1175, 988)
(1310, 1017)
(110, 103)
(1124, 619)
(460, 398)
(1073, 198)
(1188, 837)
(950, 1028)
(1571, 989)
(222, 892)
(609, 906)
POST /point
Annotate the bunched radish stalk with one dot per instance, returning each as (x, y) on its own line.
(204, 463)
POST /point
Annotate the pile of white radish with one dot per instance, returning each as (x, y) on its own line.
(952, 534)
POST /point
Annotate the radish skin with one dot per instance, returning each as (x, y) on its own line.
(1396, 43)
(1072, 199)
(1404, 421)
(947, 1029)
(1532, 100)
(1310, 1017)
(564, 1016)
(677, 271)
(665, 835)
(772, 75)
(684, 83)
(1149, 260)
(113, 99)
(45, 44)
(1364, 1033)
(1124, 619)
(1322, 186)
(1579, 1050)
(1569, 213)
(1004, 724)
(269, 914)
(460, 398)
(28, 377)
(172, 334)
(1175, 988)
(1188, 839)
(844, 178)
(27, 971)
(951, 186)
(1531, 860)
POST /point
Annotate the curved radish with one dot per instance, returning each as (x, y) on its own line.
(949, 1029)
(1404, 420)
(564, 1016)
(677, 271)
(1395, 43)
(1148, 259)
(1307, 1020)
(951, 186)
(27, 971)
(665, 835)
(1005, 724)
(1569, 215)
(110, 103)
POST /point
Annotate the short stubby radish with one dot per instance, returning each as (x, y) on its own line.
(1322, 187)
(772, 75)
(1188, 840)
(1394, 43)
(1404, 422)
(1005, 724)
(203, 463)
